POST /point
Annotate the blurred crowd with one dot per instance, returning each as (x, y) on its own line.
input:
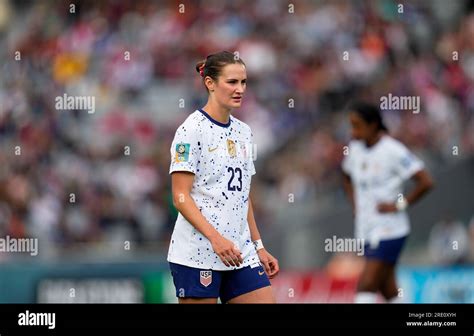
(69, 176)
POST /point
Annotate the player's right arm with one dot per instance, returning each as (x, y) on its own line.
(347, 183)
(182, 183)
(346, 166)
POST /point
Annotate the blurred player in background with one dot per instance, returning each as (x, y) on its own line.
(216, 249)
(374, 171)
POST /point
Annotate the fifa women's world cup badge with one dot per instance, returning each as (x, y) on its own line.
(231, 148)
(182, 152)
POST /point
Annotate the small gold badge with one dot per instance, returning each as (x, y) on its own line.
(231, 148)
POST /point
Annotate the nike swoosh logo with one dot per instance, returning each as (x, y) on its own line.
(212, 149)
(261, 273)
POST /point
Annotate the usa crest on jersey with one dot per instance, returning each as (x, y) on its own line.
(231, 148)
(206, 278)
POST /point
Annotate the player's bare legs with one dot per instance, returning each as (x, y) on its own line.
(389, 288)
(197, 300)
(371, 280)
(372, 276)
(377, 276)
(261, 295)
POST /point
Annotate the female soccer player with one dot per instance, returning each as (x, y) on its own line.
(374, 171)
(216, 250)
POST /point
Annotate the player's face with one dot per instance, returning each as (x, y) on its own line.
(360, 129)
(230, 87)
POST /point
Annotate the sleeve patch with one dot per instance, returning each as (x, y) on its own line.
(182, 152)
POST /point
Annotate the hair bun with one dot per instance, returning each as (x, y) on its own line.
(200, 68)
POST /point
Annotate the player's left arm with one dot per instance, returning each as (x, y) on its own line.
(270, 263)
(423, 183)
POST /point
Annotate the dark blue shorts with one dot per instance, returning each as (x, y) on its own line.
(387, 250)
(201, 283)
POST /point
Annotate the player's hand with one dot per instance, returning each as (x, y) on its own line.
(227, 251)
(386, 207)
(270, 263)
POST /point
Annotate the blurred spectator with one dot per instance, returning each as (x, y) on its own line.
(471, 239)
(449, 242)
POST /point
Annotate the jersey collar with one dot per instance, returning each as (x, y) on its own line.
(215, 121)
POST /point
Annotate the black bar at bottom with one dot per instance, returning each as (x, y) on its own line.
(419, 319)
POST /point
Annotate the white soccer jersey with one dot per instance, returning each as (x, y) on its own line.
(220, 156)
(377, 174)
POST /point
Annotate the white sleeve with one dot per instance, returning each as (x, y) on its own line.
(405, 163)
(185, 149)
(347, 161)
(253, 151)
